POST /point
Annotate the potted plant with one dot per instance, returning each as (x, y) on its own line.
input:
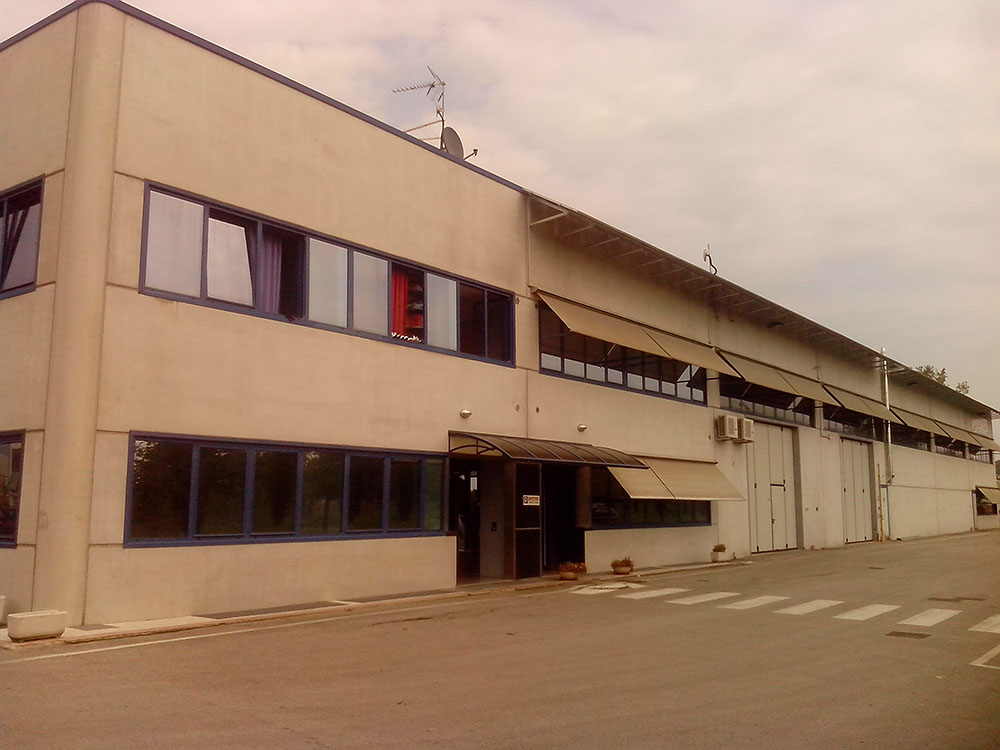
(570, 571)
(622, 566)
(719, 552)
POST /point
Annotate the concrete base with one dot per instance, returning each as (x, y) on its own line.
(29, 626)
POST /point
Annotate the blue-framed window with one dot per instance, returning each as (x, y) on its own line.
(20, 230)
(580, 357)
(11, 471)
(205, 490)
(611, 507)
(200, 252)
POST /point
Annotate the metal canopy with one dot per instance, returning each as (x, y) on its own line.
(531, 449)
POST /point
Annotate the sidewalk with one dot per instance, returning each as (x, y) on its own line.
(100, 632)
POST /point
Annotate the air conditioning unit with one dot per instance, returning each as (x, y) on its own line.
(745, 431)
(727, 427)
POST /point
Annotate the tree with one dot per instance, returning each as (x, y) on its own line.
(941, 376)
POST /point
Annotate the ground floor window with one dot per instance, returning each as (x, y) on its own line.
(11, 469)
(611, 507)
(199, 489)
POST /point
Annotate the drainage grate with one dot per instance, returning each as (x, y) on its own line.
(904, 634)
(956, 599)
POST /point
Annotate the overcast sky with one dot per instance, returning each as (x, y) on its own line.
(842, 158)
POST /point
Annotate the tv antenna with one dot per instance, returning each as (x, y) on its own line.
(707, 256)
(447, 139)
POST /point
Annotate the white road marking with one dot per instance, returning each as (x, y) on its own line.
(867, 612)
(651, 593)
(701, 598)
(603, 588)
(930, 617)
(757, 601)
(988, 656)
(814, 606)
(989, 625)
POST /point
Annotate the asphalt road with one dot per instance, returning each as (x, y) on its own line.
(877, 649)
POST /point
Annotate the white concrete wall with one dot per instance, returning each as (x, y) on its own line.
(649, 547)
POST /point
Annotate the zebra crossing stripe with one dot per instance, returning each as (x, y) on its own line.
(701, 598)
(930, 617)
(867, 612)
(651, 593)
(757, 601)
(814, 606)
(989, 625)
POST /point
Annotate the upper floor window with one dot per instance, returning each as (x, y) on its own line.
(241, 262)
(21, 223)
(737, 394)
(11, 469)
(586, 358)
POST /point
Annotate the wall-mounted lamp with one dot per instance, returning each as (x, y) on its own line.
(581, 427)
(465, 414)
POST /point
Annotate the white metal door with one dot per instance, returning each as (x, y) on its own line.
(771, 466)
(856, 480)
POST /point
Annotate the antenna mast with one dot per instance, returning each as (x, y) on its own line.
(435, 92)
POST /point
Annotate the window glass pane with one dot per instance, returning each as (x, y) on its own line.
(371, 294)
(574, 352)
(221, 479)
(596, 356)
(322, 493)
(19, 255)
(161, 490)
(551, 362)
(404, 494)
(433, 494)
(442, 312)
(280, 273)
(173, 245)
(472, 320)
(500, 312)
(11, 469)
(364, 507)
(229, 245)
(274, 478)
(327, 283)
(406, 313)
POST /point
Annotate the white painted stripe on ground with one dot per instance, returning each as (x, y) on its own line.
(867, 612)
(590, 591)
(814, 606)
(651, 593)
(757, 601)
(929, 618)
(988, 656)
(701, 598)
(989, 625)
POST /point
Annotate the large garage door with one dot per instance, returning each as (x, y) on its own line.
(856, 476)
(771, 468)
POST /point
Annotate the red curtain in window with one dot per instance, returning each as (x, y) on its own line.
(400, 297)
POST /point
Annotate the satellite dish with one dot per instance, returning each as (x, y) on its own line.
(451, 143)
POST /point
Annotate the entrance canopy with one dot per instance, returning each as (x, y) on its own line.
(676, 479)
(545, 451)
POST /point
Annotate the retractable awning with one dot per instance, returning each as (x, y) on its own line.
(991, 493)
(863, 404)
(959, 434)
(759, 374)
(677, 479)
(808, 388)
(599, 325)
(918, 422)
(986, 442)
(544, 451)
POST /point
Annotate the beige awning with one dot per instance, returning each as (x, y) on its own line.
(863, 404)
(690, 352)
(918, 422)
(693, 480)
(991, 493)
(959, 434)
(600, 325)
(544, 451)
(641, 484)
(759, 374)
(988, 443)
(808, 388)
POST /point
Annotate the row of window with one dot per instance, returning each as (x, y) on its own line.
(20, 228)
(737, 394)
(203, 490)
(611, 507)
(200, 252)
(11, 469)
(586, 358)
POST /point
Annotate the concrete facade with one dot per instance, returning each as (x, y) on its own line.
(103, 104)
